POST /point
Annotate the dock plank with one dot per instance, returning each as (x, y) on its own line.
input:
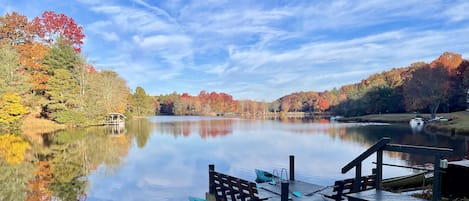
(311, 192)
(373, 194)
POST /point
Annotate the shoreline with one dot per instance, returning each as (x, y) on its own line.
(459, 124)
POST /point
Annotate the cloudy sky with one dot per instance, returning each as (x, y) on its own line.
(259, 50)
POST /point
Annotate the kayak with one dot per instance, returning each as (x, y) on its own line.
(196, 199)
(263, 176)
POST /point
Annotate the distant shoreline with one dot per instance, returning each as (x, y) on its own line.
(459, 124)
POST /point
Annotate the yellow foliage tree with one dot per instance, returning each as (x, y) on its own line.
(13, 148)
(11, 108)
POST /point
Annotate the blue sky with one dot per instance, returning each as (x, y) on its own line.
(258, 50)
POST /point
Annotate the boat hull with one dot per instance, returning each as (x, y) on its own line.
(408, 182)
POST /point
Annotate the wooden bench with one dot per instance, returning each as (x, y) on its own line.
(225, 187)
(343, 187)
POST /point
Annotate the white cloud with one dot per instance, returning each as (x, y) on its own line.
(103, 28)
(163, 42)
(135, 20)
(458, 11)
(263, 50)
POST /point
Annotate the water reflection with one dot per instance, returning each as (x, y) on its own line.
(203, 126)
(166, 158)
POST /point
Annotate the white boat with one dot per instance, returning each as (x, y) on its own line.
(416, 124)
(417, 121)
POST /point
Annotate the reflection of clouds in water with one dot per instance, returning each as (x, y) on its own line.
(169, 168)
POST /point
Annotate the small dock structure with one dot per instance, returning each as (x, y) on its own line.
(115, 119)
(116, 122)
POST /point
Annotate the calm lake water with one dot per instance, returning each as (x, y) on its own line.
(167, 157)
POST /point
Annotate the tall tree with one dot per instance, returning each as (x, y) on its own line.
(111, 91)
(142, 103)
(62, 91)
(428, 88)
(31, 60)
(54, 28)
(323, 103)
(14, 28)
(11, 79)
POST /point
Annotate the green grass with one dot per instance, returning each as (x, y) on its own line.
(386, 118)
(459, 124)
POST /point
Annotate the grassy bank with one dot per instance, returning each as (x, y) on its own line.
(459, 125)
(383, 118)
(33, 127)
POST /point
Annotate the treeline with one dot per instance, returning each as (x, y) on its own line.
(203, 104)
(440, 86)
(211, 104)
(43, 72)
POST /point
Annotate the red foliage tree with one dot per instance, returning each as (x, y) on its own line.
(51, 27)
(323, 103)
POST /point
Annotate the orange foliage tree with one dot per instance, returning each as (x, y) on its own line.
(31, 60)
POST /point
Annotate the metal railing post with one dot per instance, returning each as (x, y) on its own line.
(292, 168)
(379, 169)
(358, 178)
(211, 186)
(436, 188)
(284, 191)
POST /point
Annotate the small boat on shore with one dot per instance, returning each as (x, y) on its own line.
(408, 182)
(416, 121)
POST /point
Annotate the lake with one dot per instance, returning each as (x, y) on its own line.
(167, 157)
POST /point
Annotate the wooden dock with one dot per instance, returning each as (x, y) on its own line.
(223, 187)
(115, 122)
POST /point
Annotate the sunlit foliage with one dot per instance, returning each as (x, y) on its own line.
(13, 148)
(11, 109)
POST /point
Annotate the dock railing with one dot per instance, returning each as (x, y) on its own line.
(384, 145)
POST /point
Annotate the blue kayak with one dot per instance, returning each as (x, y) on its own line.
(263, 176)
(196, 199)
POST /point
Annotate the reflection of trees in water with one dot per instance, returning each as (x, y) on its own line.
(38, 188)
(368, 135)
(68, 159)
(139, 129)
(215, 128)
(205, 128)
(13, 178)
(402, 134)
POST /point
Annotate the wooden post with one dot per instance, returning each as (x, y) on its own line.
(211, 186)
(436, 189)
(292, 168)
(284, 191)
(358, 177)
(379, 169)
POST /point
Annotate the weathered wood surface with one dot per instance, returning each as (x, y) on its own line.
(226, 187)
(343, 187)
(372, 195)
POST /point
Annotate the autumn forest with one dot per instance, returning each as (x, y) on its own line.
(45, 75)
(45, 78)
